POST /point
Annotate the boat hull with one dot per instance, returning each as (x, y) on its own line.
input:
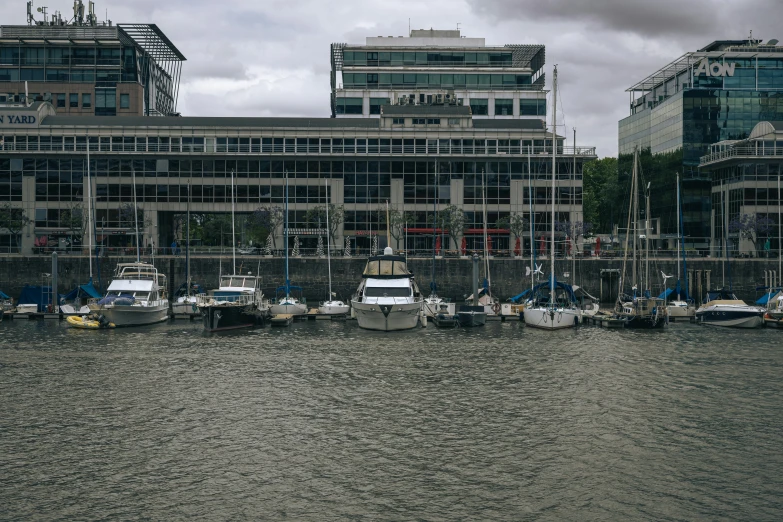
(227, 317)
(546, 320)
(386, 317)
(334, 309)
(291, 309)
(730, 318)
(134, 315)
(641, 322)
(471, 319)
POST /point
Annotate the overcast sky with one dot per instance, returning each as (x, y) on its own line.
(271, 57)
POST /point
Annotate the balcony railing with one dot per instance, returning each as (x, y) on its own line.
(741, 152)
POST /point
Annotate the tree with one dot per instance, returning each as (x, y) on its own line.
(13, 220)
(127, 220)
(602, 194)
(269, 217)
(574, 230)
(397, 223)
(451, 220)
(751, 226)
(74, 218)
(316, 216)
(517, 224)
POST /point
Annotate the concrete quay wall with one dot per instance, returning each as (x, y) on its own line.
(453, 275)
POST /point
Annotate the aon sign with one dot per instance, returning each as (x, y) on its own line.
(705, 68)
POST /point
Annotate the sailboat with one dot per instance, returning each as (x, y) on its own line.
(238, 302)
(681, 307)
(186, 295)
(639, 310)
(285, 302)
(331, 306)
(434, 305)
(483, 296)
(553, 305)
(137, 294)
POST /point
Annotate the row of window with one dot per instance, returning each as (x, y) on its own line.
(66, 55)
(479, 107)
(99, 76)
(428, 58)
(437, 81)
(282, 145)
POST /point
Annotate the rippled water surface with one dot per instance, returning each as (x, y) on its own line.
(324, 421)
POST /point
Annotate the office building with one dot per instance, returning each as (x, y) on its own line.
(437, 65)
(746, 181)
(720, 92)
(87, 67)
(415, 157)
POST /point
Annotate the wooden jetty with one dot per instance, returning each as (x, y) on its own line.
(282, 320)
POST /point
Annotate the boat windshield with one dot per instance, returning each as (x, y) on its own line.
(381, 291)
(235, 282)
(377, 267)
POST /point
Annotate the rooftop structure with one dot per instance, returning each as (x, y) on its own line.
(430, 64)
(83, 66)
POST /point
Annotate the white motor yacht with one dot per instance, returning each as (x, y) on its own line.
(388, 298)
(722, 308)
(135, 297)
(237, 303)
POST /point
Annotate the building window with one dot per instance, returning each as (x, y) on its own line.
(124, 101)
(453, 121)
(86, 100)
(433, 121)
(349, 105)
(398, 121)
(504, 107)
(419, 121)
(74, 100)
(105, 102)
(479, 107)
(375, 104)
(61, 99)
(532, 107)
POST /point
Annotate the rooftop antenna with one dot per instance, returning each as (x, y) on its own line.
(409, 25)
(30, 19)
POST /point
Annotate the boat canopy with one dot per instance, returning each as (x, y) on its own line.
(386, 266)
(673, 291)
(3, 295)
(765, 299)
(131, 285)
(37, 295)
(546, 286)
(86, 290)
(720, 295)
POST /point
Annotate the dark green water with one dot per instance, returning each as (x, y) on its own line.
(324, 421)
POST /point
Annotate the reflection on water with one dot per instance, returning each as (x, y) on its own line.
(324, 421)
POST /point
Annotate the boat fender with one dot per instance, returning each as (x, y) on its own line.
(496, 308)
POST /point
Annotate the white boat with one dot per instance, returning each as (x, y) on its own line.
(775, 306)
(680, 310)
(434, 306)
(553, 305)
(237, 303)
(722, 308)
(388, 298)
(135, 297)
(285, 302)
(331, 306)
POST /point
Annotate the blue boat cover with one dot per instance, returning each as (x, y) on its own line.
(39, 295)
(766, 298)
(530, 293)
(3, 295)
(86, 290)
(674, 291)
(125, 299)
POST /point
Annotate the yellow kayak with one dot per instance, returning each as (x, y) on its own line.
(87, 322)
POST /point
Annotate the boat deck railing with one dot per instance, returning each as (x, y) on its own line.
(212, 300)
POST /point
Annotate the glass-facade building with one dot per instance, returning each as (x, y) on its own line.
(434, 66)
(414, 157)
(746, 180)
(86, 68)
(717, 93)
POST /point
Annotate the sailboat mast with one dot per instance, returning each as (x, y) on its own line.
(434, 226)
(647, 240)
(187, 244)
(635, 217)
(679, 236)
(285, 234)
(388, 228)
(681, 241)
(532, 220)
(484, 212)
(233, 229)
(328, 254)
(780, 226)
(573, 224)
(89, 208)
(554, 169)
(136, 215)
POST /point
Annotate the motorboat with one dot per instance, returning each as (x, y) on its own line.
(722, 308)
(434, 305)
(387, 298)
(679, 309)
(470, 316)
(237, 303)
(135, 297)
